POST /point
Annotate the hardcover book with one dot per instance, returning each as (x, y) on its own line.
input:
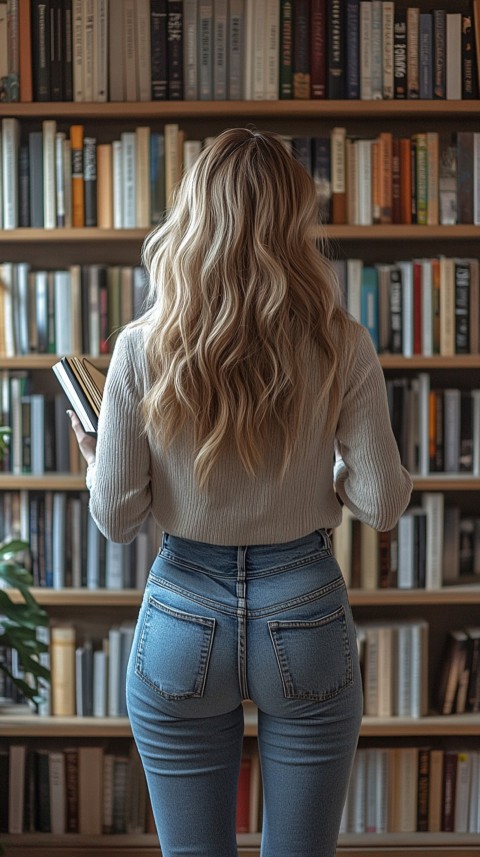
(83, 385)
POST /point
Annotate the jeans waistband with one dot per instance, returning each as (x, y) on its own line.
(223, 559)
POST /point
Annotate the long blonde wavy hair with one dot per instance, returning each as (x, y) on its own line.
(239, 291)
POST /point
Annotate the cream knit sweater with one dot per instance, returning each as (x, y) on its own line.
(131, 478)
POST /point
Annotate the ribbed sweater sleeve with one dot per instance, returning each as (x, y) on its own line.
(369, 477)
(120, 495)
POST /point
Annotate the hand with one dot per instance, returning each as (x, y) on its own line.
(86, 443)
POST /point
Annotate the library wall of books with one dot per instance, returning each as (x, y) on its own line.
(103, 105)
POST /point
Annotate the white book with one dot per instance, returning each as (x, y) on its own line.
(9, 149)
(129, 180)
(37, 435)
(366, 50)
(220, 57)
(382, 777)
(64, 312)
(433, 503)
(88, 50)
(272, 49)
(427, 308)
(474, 797)
(100, 683)
(58, 538)
(117, 170)
(49, 127)
(57, 792)
(93, 554)
(377, 49)
(406, 269)
(143, 50)
(354, 283)
(388, 21)
(100, 48)
(16, 787)
(418, 669)
(454, 55)
(258, 52)
(21, 291)
(115, 565)
(462, 792)
(190, 50)
(78, 8)
(406, 551)
(60, 177)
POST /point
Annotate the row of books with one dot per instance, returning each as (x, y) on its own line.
(55, 178)
(394, 663)
(433, 545)
(423, 306)
(67, 549)
(241, 49)
(425, 179)
(440, 431)
(458, 687)
(86, 789)
(78, 310)
(413, 789)
(92, 790)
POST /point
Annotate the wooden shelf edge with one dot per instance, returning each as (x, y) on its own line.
(32, 726)
(296, 108)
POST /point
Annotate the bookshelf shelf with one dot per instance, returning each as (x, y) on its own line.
(388, 232)
(296, 109)
(100, 598)
(29, 725)
(45, 482)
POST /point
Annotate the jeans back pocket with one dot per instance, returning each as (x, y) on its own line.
(314, 656)
(174, 649)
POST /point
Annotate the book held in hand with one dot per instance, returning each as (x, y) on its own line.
(83, 385)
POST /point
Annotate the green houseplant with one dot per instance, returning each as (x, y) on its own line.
(19, 620)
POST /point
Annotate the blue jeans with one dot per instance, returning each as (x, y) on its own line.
(218, 625)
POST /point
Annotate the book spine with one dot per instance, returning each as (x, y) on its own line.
(175, 49)
(336, 51)
(413, 40)
(190, 52)
(439, 54)
(100, 56)
(78, 57)
(104, 186)
(426, 54)
(318, 49)
(24, 186)
(352, 49)
(365, 50)
(236, 49)
(286, 49)
(388, 24)
(220, 17)
(376, 36)
(272, 39)
(469, 76)
(10, 149)
(400, 54)
(56, 51)
(49, 185)
(78, 205)
(339, 200)
(205, 24)
(158, 30)
(90, 180)
(40, 45)
(60, 178)
(301, 49)
(25, 50)
(67, 51)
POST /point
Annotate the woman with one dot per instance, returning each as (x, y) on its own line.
(224, 408)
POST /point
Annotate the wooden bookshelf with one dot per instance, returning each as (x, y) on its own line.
(112, 245)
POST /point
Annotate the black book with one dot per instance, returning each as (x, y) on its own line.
(158, 30)
(175, 49)
(83, 385)
(41, 50)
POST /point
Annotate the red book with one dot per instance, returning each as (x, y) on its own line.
(318, 49)
(417, 307)
(243, 796)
